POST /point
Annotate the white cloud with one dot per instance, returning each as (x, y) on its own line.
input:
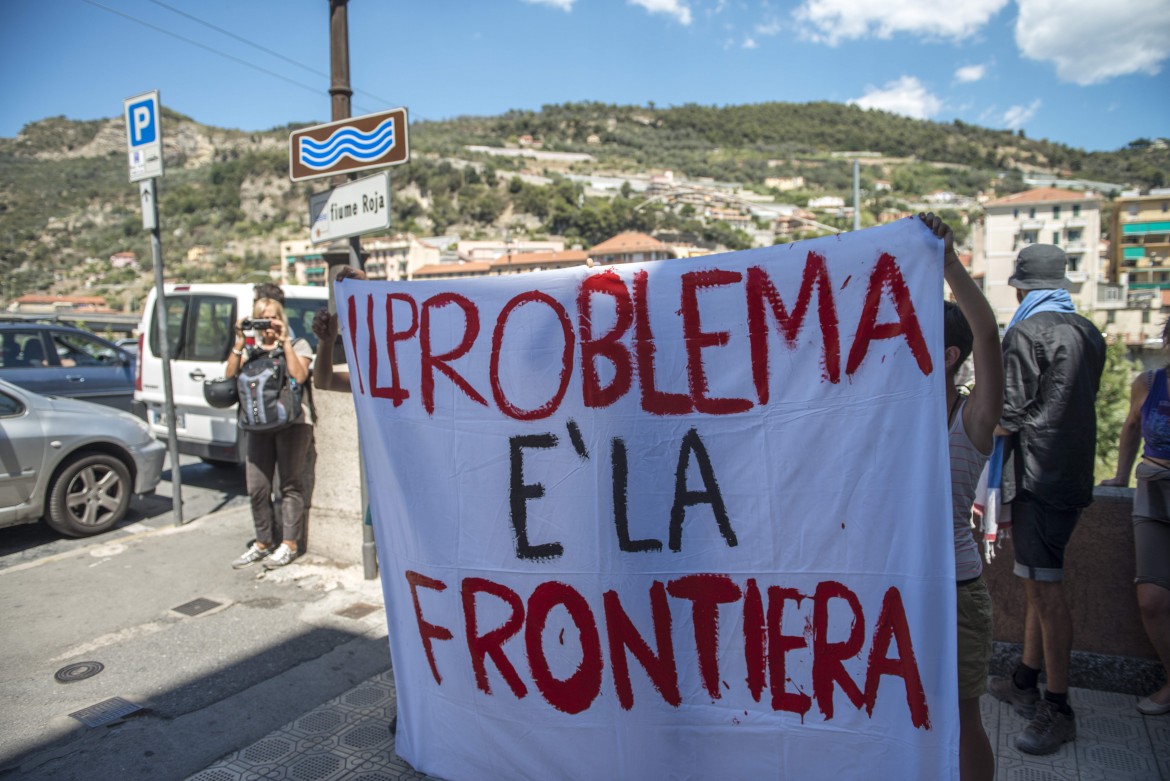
(770, 27)
(906, 96)
(833, 21)
(1091, 42)
(749, 43)
(970, 73)
(564, 5)
(1018, 116)
(676, 8)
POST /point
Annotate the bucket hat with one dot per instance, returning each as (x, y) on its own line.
(1040, 267)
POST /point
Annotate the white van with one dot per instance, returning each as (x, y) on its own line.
(201, 322)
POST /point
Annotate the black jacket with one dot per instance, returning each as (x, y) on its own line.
(1052, 369)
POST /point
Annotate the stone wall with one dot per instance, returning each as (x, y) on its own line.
(1099, 568)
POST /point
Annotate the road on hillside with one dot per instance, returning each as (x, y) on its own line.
(206, 489)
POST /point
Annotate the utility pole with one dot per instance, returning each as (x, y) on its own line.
(856, 194)
(340, 94)
(339, 89)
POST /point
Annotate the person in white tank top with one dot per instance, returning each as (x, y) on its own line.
(969, 327)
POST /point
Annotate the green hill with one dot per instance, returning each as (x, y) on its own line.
(66, 204)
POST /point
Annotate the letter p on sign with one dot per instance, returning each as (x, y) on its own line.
(142, 124)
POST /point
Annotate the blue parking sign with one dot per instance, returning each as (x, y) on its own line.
(143, 136)
(143, 128)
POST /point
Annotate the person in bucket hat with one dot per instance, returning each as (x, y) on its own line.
(1053, 359)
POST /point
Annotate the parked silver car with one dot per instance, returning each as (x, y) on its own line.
(73, 463)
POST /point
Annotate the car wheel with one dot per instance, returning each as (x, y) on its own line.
(89, 495)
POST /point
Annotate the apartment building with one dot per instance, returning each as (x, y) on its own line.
(1066, 218)
(396, 258)
(1139, 263)
(1141, 240)
(630, 247)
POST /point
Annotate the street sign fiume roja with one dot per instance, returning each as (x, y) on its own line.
(349, 145)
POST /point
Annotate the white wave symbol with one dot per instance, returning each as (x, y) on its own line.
(348, 142)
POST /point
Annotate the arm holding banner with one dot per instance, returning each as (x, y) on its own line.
(982, 411)
(325, 327)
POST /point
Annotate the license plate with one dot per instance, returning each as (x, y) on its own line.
(160, 418)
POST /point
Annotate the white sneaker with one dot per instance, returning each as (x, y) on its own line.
(251, 556)
(280, 557)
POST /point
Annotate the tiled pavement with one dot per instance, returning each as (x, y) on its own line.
(346, 739)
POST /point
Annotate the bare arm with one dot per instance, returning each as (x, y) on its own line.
(1131, 433)
(324, 376)
(236, 356)
(984, 406)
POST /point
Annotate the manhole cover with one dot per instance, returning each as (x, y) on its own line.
(105, 712)
(357, 610)
(78, 672)
(196, 606)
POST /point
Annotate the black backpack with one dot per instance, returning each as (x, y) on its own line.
(270, 399)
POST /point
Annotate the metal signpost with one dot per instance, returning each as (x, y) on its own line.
(144, 148)
(347, 146)
(361, 206)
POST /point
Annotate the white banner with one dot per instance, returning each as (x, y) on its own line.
(687, 519)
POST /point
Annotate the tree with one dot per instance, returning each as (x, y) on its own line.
(1113, 405)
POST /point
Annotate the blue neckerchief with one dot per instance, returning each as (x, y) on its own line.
(1043, 301)
(1034, 302)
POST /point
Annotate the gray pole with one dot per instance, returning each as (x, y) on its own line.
(856, 195)
(340, 92)
(150, 219)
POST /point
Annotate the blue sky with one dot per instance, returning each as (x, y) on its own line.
(1090, 74)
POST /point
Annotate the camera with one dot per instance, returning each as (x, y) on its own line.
(256, 324)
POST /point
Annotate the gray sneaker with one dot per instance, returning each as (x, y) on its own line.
(280, 557)
(251, 556)
(1050, 730)
(1023, 701)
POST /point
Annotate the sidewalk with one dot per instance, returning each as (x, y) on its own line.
(347, 738)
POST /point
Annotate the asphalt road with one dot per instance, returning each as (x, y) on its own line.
(270, 645)
(206, 489)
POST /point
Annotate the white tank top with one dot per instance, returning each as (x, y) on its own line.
(966, 464)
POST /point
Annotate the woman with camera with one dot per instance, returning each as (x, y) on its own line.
(286, 445)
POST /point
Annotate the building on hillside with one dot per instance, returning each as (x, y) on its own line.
(39, 304)
(490, 250)
(463, 270)
(827, 202)
(1141, 240)
(538, 261)
(784, 183)
(630, 247)
(397, 257)
(733, 217)
(124, 260)
(1068, 219)
(302, 263)
(198, 254)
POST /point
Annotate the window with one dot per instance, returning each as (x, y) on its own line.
(1074, 236)
(23, 350)
(1074, 262)
(1029, 237)
(1076, 210)
(1015, 214)
(1145, 317)
(1132, 210)
(1056, 212)
(76, 349)
(1032, 213)
(1056, 237)
(9, 406)
(199, 328)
